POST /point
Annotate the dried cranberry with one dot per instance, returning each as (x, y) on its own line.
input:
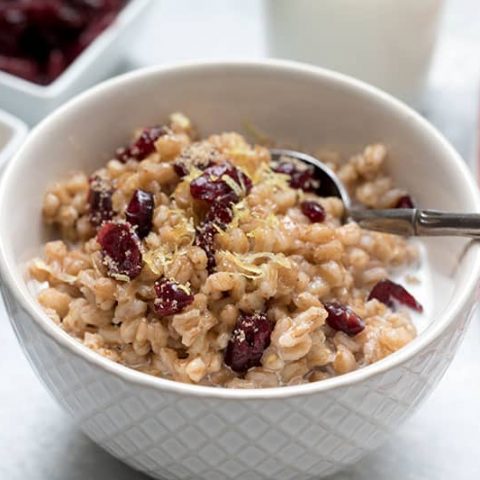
(180, 169)
(143, 146)
(214, 184)
(343, 318)
(139, 212)
(301, 176)
(249, 339)
(212, 187)
(59, 16)
(183, 166)
(120, 249)
(405, 202)
(313, 211)
(94, 29)
(204, 238)
(220, 212)
(56, 64)
(172, 297)
(389, 293)
(41, 38)
(218, 216)
(20, 67)
(197, 156)
(100, 201)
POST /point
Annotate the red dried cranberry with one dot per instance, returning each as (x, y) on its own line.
(143, 146)
(343, 318)
(100, 201)
(220, 212)
(219, 215)
(41, 38)
(56, 64)
(204, 238)
(301, 176)
(139, 212)
(57, 15)
(197, 156)
(180, 169)
(405, 202)
(212, 185)
(313, 211)
(389, 293)
(172, 297)
(249, 339)
(120, 249)
(94, 29)
(212, 188)
(20, 67)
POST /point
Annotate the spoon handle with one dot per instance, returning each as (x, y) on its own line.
(413, 221)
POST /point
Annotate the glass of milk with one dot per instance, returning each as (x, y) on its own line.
(388, 43)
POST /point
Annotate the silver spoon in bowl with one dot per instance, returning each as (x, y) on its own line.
(400, 221)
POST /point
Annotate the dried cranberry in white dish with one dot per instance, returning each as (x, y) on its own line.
(39, 39)
(200, 260)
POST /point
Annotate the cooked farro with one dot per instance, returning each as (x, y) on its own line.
(218, 278)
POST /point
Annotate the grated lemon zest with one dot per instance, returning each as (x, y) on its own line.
(184, 231)
(185, 288)
(267, 176)
(246, 261)
(240, 211)
(120, 277)
(158, 259)
(193, 173)
(95, 266)
(238, 190)
(217, 228)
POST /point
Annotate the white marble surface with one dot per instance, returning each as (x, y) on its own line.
(441, 441)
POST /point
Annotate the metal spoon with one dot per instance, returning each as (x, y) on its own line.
(400, 221)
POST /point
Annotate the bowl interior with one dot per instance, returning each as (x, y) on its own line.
(300, 106)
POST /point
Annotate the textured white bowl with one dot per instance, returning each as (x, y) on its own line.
(32, 102)
(174, 430)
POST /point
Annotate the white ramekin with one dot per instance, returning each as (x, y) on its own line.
(32, 102)
(175, 430)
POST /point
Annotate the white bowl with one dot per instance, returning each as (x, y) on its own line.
(174, 430)
(32, 102)
(12, 134)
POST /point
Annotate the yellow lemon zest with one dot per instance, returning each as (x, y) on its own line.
(246, 262)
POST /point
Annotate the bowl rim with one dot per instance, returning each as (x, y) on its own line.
(81, 62)
(30, 305)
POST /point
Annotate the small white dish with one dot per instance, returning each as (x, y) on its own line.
(32, 102)
(12, 133)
